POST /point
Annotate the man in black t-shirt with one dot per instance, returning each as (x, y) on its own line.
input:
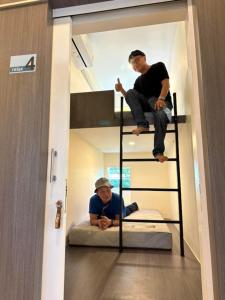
(150, 94)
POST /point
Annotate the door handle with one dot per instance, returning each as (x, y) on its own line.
(59, 205)
(53, 165)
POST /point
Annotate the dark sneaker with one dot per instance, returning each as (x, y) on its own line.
(131, 208)
(135, 205)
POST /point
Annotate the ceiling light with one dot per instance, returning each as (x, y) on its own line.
(131, 143)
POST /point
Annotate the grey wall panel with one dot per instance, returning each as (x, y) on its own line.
(210, 24)
(92, 109)
(66, 3)
(96, 109)
(24, 123)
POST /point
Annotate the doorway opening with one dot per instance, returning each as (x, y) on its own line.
(94, 152)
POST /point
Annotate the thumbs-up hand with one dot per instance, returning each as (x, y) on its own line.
(118, 86)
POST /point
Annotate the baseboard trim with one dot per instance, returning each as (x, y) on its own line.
(192, 251)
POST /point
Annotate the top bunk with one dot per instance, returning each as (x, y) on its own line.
(97, 109)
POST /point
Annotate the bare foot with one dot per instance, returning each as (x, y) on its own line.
(161, 157)
(139, 130)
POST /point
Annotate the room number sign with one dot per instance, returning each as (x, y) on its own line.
(23, 63)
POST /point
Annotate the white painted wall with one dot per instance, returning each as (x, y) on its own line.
(195, 80)
(178, 67)
(54, 239)
(181, 84)
(78, 84)
(196, 227)
(189, 203)
(85, 167)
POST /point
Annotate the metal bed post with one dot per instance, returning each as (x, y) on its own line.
(121, 178)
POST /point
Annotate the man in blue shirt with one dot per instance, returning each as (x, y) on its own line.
(104, 206)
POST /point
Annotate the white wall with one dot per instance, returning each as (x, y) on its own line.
(181, 84)
(85, 167)
(188, 191)
(179, 67)
(194, 78)
(78, 83)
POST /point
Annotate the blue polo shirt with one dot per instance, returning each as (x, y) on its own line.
(110, 210)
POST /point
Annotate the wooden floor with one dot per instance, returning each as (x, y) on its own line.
(101, 273)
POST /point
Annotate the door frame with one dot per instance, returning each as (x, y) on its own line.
(199, 153)
(58, 152)
(62, 10)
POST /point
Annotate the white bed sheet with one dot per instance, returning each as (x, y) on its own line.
(138, 235)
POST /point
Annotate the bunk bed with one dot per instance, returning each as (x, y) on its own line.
(143, 229)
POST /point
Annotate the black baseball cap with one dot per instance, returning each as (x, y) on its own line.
(135, 53)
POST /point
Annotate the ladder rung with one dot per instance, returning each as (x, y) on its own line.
(146, 159)
(151, 221)
(151, 189)
(148, 132)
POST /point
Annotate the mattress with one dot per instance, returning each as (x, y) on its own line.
(137, 235)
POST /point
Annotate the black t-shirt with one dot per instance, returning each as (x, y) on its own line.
(149, 84)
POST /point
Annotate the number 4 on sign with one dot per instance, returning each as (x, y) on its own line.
(30, 63)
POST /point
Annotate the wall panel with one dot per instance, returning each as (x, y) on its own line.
(24, 118)
(209, 23)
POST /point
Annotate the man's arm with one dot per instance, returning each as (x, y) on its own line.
(160, 103)
(109, 222)
(165, 88)
(104, 222)
(119, 88)
(116, 222)
(94, 219)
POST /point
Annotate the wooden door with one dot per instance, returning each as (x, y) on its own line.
(24, 124)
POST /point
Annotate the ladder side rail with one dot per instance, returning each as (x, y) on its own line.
(178, 176)
(121, 178)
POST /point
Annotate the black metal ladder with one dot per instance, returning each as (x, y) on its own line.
(178, 189)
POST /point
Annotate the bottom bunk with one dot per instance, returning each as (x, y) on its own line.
(135, 235)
